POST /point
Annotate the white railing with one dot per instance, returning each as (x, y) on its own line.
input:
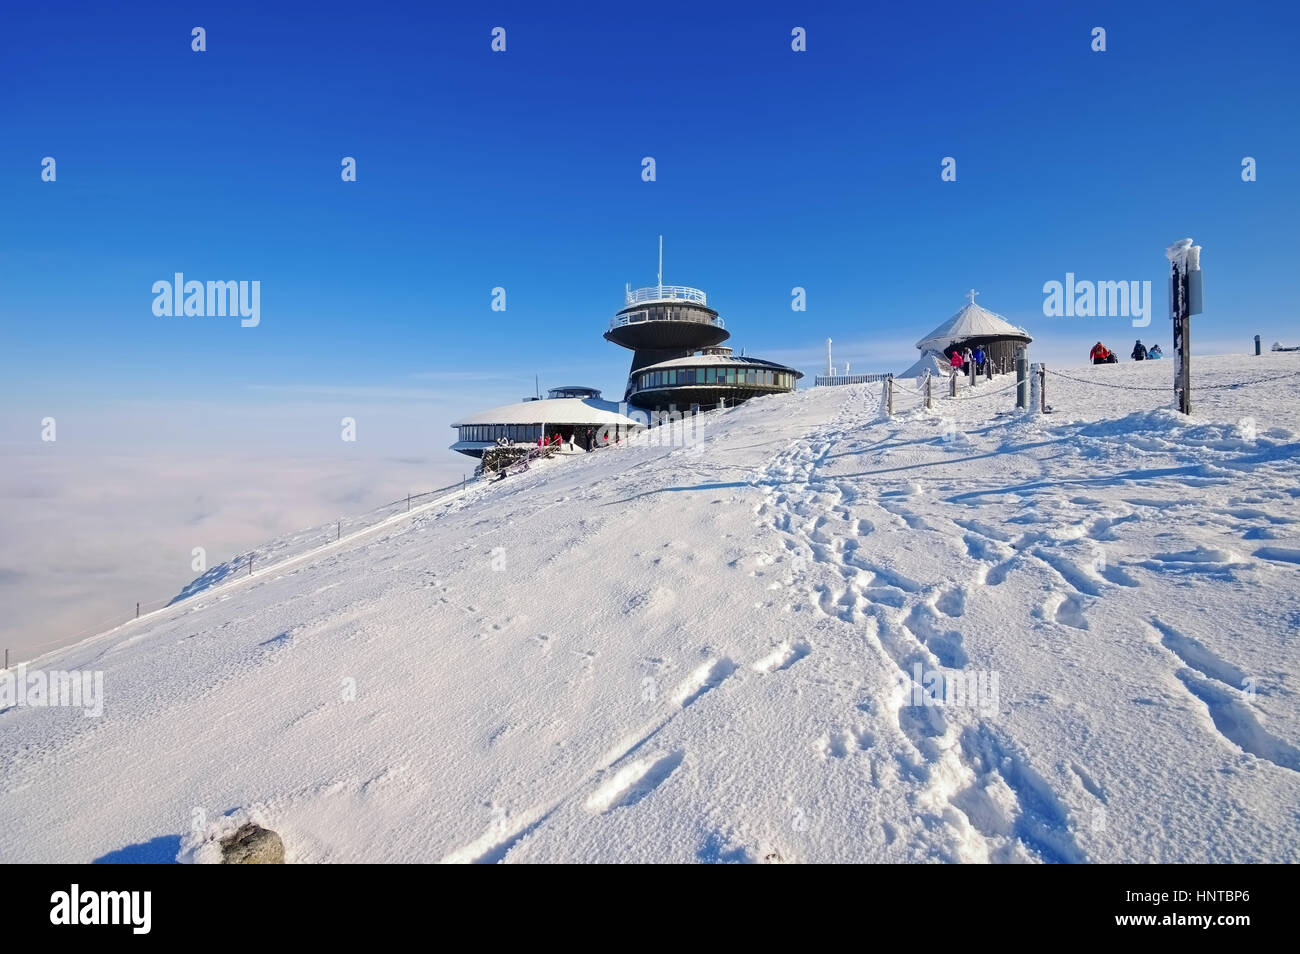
(639, 317)
(836, 380)
(666, 293)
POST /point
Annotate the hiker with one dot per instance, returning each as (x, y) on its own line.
(1155, 353)
(979, 358)
(956, 360)
(967, 358)
(1100, 354)
(1139, 351)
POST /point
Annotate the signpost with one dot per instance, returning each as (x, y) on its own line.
(1184, 301)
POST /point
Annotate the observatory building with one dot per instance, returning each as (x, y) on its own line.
(678, 361)
(678, 364)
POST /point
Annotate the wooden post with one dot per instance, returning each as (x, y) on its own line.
(889, 395)
(250, 565)
(1035, 381)
(1022, 378)
(988, 368)
(6, 659)
(929, 390)
(408, 502)
(1257, 346)
(338, 531)
(972, 371)
(137, 609)
(1180, 314)
(952, 383)
(1042, 386)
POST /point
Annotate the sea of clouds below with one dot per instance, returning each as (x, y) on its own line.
(86, 534)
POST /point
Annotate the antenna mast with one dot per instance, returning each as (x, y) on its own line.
(661, 266)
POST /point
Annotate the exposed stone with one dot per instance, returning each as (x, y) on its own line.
(252, 845)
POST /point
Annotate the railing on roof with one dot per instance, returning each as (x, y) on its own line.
(666, 293)
(642, 316)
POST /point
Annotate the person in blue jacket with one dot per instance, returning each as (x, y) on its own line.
(1154, 352)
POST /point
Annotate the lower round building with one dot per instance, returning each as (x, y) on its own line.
(713, 377)
(578, 415)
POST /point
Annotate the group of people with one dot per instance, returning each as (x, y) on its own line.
(1100, 354)
(588, 439)
(961, 360)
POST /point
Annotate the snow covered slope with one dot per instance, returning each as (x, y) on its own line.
(706, 652)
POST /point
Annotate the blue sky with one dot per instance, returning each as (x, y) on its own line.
(522, 170)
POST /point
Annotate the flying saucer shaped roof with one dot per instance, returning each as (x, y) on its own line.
(971, 322)
(552, 411)
(712, 357)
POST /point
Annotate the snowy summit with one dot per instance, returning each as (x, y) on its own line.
(814, 633)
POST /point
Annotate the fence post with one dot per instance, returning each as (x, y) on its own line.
(988, 368)
(889, 395)
(971, 365)
(1035, 380)
(250, 565)
(1022, 378)
(952, 383)
(6, 659)
(929, 391)
(1257, 346)
(408, 501)
(137, 609)
(1042, 385)
(338, 531)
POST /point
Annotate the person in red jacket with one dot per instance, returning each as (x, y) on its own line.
(1100, 354)
(957, 361)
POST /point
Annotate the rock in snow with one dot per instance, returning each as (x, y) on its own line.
(810, 635)
(252, 845)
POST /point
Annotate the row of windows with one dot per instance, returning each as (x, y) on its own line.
(757, 377)
(515, 433)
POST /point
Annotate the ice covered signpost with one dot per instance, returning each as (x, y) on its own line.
(1184, 301)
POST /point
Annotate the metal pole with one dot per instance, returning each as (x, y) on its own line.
(1022, 378)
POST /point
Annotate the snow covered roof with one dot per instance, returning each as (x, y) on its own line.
(971, 322)
(552, 411)
(930, 361)
(705, 360)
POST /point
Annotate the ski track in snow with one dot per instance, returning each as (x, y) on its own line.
(710, 653)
